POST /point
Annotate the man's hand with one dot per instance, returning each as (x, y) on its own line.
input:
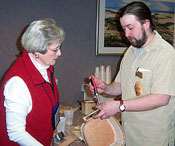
(100, 85)
(107, 109)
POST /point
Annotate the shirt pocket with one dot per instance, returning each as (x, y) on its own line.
(146, 82)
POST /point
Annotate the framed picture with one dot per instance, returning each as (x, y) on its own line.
(110, 39)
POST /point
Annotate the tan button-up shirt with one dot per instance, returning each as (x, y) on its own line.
(156, 65)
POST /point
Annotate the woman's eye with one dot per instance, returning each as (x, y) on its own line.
(55, 50)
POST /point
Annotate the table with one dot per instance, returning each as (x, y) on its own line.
(72, 133)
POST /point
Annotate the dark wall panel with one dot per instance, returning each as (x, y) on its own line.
(77, 18)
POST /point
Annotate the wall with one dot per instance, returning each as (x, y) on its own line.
(77, 18)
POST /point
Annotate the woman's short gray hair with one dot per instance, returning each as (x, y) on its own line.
(39, 34)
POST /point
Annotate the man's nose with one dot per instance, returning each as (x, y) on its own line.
(127, 33)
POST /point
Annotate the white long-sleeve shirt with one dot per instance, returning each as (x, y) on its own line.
(18, 104)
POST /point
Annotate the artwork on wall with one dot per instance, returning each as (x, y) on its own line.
(110, 39)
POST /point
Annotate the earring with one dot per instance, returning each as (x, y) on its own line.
(36, 55)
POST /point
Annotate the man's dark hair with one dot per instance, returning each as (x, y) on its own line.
(140, 10)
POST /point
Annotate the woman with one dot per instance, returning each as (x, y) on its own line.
(28, 91)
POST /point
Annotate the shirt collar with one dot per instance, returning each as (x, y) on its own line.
(40, 67)
(37, 64)
(149, 47)
(153, 42)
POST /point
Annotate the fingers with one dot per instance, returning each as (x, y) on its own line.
(90, 83)
(94, 80)
(94, 84)
(107, 109)
(102, 115)
(88, 79)
(92, 76)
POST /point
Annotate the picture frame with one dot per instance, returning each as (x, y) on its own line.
(110, 39)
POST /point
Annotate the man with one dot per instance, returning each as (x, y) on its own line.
(145, 80)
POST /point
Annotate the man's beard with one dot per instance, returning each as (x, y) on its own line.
(138, 43)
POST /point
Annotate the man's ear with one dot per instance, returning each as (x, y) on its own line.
(146, 24)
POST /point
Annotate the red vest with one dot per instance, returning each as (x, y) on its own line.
(44, 99)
